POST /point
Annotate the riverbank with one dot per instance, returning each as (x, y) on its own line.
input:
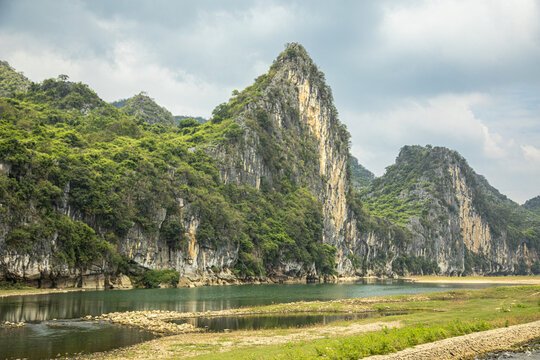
(429, 318)
(34, 291)
(503, 280)
(469, 346)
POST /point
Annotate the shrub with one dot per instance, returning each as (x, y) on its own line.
(153, 278)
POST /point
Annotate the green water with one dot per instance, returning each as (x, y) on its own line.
(45, 340)
(34, 342)
(78, 304)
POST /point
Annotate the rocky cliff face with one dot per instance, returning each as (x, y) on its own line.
(453, 215)
(303, 126)
(260, 192)
(280, 136)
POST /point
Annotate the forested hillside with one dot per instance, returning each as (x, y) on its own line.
(80, 179)
(266, 190)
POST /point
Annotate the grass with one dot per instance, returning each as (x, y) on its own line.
(445, 315)
(8, 285)
(383, 342)
(355, 347)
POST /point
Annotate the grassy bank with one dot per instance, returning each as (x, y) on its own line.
(431, 317)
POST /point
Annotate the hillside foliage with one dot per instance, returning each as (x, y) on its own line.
(68, 152)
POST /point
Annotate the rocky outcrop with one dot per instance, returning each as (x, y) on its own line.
(453, 216)
(299, 106)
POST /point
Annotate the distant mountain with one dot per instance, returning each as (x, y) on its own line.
(199, 119)
(144, 108)
(11, 81)
(66, 95)
(177, 118)
(533, 204)
(119, 103)
(360, 176)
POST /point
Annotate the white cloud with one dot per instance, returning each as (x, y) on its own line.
(482, 31)
(189, 69)
(448, 116)
(492, 144)
(132, 70)
(449, 121)
(441, 72)
(531, 153)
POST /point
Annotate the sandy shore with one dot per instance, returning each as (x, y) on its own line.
(192, 344)
(6, 293)
(468, 346)
(502, 280)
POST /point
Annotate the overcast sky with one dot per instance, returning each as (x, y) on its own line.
(461, 74)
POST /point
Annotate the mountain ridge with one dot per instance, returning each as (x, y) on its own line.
(434, 193)
(263, 191)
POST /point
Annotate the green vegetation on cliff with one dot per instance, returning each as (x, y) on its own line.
(405, 189)
(11, 81)
(84, 183)
(423, 187)
(360, 176)
(533, 204)
(78, 175)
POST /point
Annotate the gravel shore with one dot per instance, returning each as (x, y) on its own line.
(468, 346)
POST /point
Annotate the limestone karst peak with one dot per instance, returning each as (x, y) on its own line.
(294, 53)
(295, 59)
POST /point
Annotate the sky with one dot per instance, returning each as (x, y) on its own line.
(461, 74)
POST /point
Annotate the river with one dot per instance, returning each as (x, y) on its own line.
(42, 337)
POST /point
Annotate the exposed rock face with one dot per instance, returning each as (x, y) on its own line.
(299, 105)
(454, 216)
(432, 208)
(475, 233)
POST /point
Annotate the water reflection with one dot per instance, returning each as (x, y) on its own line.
(45, 340)
(79, 304)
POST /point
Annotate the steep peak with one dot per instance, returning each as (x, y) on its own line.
(294, 53)
(295, 64)
(416, 152)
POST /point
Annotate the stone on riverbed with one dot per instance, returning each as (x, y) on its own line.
(154, 321)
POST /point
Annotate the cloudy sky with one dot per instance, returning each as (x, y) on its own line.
(462, 74)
